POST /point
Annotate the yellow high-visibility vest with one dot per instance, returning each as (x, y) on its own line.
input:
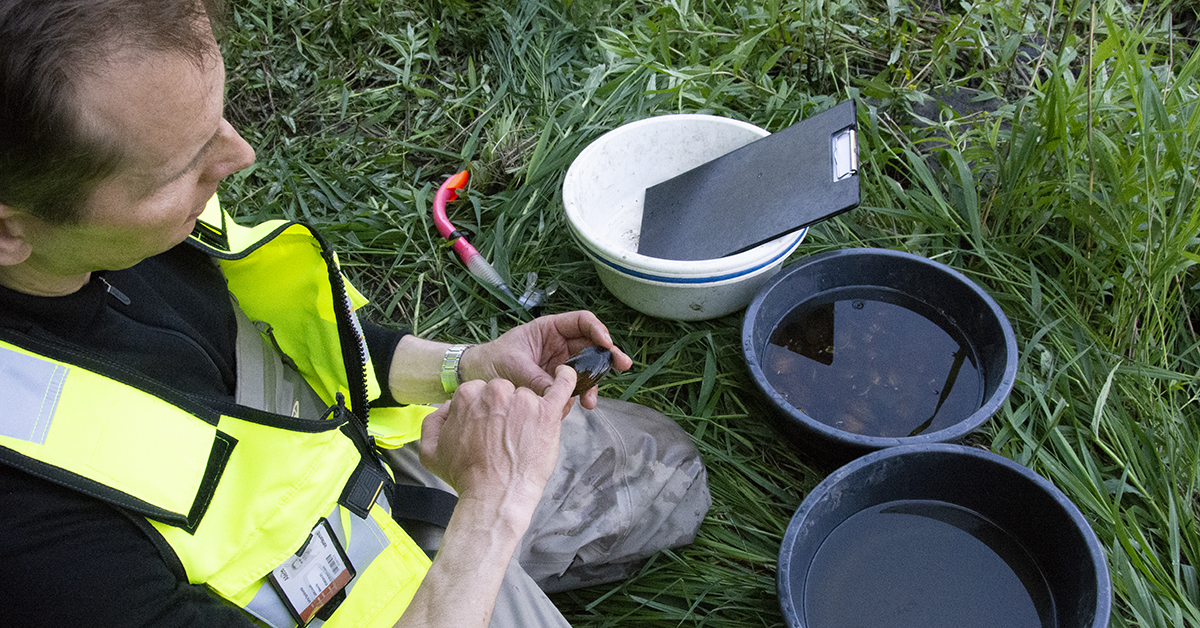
(233, 491)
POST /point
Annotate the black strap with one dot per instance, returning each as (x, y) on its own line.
(422, 503)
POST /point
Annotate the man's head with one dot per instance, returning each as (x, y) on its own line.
(50, 159)
(114, 154)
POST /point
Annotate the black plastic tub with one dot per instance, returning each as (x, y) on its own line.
(1058, 559)
(937, 288)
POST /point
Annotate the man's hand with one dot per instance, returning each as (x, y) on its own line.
(527, 355)
(497, 445)
(494, 440)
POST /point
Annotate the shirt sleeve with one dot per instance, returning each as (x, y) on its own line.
(70, 560)
(381, 344)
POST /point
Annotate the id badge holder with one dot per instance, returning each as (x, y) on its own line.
(313, 577)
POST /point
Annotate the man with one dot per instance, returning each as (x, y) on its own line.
(192, 409)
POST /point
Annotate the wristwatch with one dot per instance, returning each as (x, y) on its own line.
(450, 376)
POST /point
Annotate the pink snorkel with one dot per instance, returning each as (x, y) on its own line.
(467, 253)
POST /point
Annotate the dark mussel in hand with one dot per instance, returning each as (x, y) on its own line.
(590, 365)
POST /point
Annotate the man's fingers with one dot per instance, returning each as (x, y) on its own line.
(431, 429)
(559, 392)
(586, 326)
(590, 397)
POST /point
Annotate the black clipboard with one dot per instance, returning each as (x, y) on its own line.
(770, 187)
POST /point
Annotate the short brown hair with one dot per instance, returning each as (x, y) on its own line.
(50, 164)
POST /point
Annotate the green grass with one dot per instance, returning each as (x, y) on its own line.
(1072, 198)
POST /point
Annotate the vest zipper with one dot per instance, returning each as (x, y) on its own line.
(369, 478)
(354, 348)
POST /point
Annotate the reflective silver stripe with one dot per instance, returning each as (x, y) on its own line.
(29, 389)
(365, 541)
(269, 609)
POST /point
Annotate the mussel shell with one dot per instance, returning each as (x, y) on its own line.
(590, 365)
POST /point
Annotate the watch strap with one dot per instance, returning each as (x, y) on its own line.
(450, 376)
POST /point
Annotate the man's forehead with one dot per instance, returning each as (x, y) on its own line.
(152, 106)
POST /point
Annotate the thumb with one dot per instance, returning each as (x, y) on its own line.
(539, 380)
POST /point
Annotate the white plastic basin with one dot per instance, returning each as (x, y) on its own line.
(603, 194)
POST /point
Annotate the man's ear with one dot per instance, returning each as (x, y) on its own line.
(14, 248)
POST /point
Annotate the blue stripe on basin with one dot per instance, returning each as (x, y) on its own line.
(685, 280)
